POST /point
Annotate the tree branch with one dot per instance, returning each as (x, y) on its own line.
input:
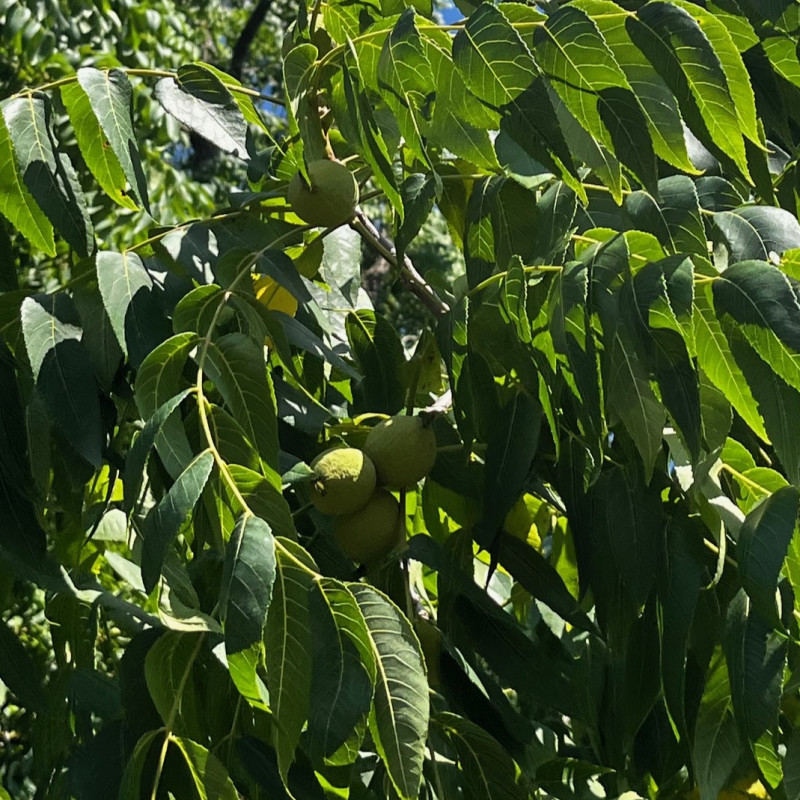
(412, 279)
(242, 46)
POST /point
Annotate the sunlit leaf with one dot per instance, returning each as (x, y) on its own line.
(100, 105)
(48, 173)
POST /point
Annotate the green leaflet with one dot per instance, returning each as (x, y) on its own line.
(492, 58)
(675, 44)
(342, 679)
(235, 364)
(16, 201)
(63, 371)
(489, 772)
(99, 106)
(716, 359)
(288, 651)
(400, 712)
(161, 525)
(245, 594)
(199, 100)
(46, 172)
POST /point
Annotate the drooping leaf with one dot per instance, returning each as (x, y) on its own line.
(102, 99)
(372, 144)
(679, 592)
(582, 69)
(632, 398)
(288, 644)
(379, 355)
(244, 599)
(652, 94)
(98, 335)
(419, 195)
(513, 299)
(459, 119)
(137, 455)
(536, 575)
(399, 718)
(160, 378)
(236, 365)
(584, 147)
(46, 172)
(200, 101)
(679, 385)
(162, 523)
(510, 451)
(761, 549)
(210, 778)
(719, 36)
(301, 110)
(167, 668)
(492, 58)
(764, 304)
(530, 122)
(718, 363)
(674, 42)
(775, 398)
(629, 514)
(672, 216)
(63, 371)
(341, 687)
(404, 71)
(17, 203)
(716, 747)
(130, 788)
(489, 771)
(127, 291)
(483, 627)
(756, 656)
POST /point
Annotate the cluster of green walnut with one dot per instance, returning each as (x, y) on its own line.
(355, 486)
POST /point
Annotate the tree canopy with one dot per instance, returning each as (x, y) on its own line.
(589, 212)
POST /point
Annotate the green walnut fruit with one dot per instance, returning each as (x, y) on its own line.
(343, 481)
(372, 532)
(331, 198)
(403, 450)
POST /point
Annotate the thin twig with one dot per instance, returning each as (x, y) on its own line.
(414, 282)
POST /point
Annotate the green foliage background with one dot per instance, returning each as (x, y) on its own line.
(589, 212)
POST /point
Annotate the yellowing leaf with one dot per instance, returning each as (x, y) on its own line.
(272, 295)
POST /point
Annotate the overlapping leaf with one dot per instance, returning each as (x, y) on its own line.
(764, 304)
(288, 644)
(200, 101)
(48, 173)
(16, 201)
(245, 596)
(236, 366)
(161, 525)
(99, 106)
(63, 371)
(492, 58)
(676, 45)
(404, 74)
(341, 683)
(399, 718)
(160, 378)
